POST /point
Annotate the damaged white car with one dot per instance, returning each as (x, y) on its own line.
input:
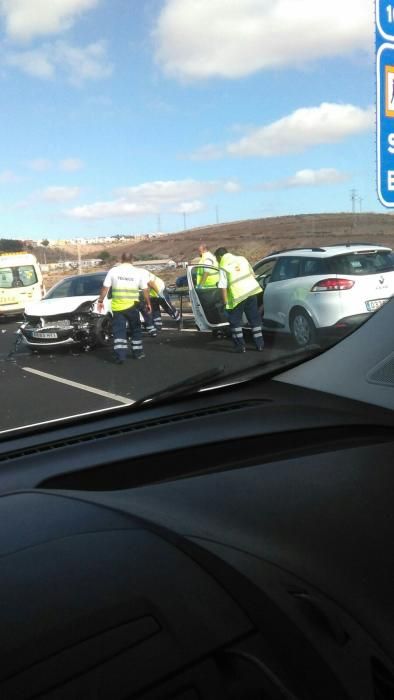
(68, 315)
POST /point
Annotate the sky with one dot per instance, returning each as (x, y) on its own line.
(131, 116)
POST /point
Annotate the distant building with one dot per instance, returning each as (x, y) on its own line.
(155, 264)
(71, 264)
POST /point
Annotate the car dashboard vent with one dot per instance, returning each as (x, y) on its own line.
(129, 429)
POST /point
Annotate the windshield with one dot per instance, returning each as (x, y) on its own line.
(363, 263)
(20, 276)
(77, 287)
(204, 172)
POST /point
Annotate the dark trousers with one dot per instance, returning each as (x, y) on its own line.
(153, 321)
(249, 307)
(121, 319)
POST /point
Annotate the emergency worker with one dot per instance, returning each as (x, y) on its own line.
(207, 278)
(126, 282)
(239, 293)
(159, 299)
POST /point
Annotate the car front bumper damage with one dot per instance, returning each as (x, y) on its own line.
(52, 333)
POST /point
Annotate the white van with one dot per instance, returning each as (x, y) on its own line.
(21, 282)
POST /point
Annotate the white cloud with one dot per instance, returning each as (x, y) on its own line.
(78, 64)
(59, 194)
(196, 39)
(35, 63)
(302, 129)
(231, 186)
(207, 152)
(8, 177)
(71, 165)
(89, 63)
(107, 210)
(188, 207)
(27, 19)
(182, 196)
(40, 165)
(308, 178)
(162, 192)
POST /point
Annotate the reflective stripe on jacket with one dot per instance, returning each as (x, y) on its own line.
(241, 282)
(212, 279)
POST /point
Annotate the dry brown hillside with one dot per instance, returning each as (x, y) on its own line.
(254, 238)
(258, 237)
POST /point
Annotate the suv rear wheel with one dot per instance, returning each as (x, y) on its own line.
(302, 328)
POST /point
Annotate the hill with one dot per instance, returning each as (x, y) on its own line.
(256, 238)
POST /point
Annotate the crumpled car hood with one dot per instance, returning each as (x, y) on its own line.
(56, 307)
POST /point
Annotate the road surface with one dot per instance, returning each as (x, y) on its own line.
(41, 386)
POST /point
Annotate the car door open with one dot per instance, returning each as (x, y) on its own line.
(207, 303)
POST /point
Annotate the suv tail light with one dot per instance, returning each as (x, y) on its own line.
(332, 284)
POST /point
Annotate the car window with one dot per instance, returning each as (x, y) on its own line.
(313, 266)
(287, 268)
(86, 286)
(21, 276)
(6, 277)
(79, 286)
(364, 263)
(61, 290)
(264, 268)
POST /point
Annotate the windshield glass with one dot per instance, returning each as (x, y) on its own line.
(204, 173)
(77, 287)
(21, 276)
(364, 263)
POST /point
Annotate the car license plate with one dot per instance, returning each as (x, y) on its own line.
(7, 300)
(45, 336)
(375, 304)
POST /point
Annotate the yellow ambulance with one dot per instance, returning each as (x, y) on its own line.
(21, 282)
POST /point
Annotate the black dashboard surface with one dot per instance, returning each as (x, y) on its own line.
(239, 549)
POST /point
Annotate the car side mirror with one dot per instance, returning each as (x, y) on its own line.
(266, 280)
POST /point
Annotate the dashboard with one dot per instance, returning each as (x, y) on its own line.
(232, 544)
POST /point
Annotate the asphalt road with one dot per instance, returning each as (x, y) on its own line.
(41, 386)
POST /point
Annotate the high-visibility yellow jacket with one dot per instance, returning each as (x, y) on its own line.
(241, 282)
(126, 282)
(212, 279)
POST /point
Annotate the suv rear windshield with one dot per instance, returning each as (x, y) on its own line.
(360, 263)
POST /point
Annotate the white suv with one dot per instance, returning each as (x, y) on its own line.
(310, 292)
(324, 291)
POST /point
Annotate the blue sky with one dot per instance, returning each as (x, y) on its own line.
(118, 115)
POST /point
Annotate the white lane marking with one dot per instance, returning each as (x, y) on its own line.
(183, 330)
(77, 385)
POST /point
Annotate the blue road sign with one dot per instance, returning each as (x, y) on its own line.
(385, 19)
(385, 101)
(385, 123)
